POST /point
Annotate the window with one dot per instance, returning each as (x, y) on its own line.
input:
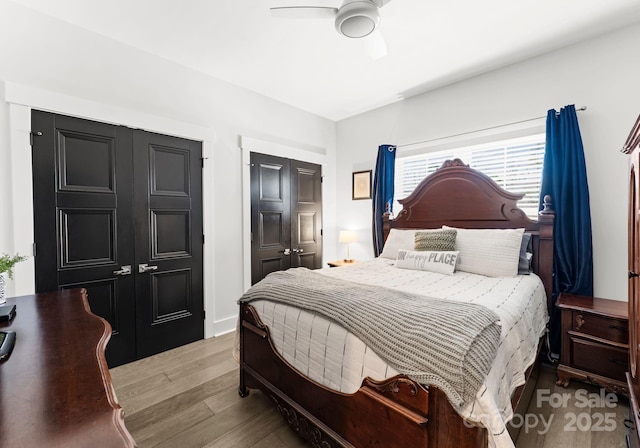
(515, 164)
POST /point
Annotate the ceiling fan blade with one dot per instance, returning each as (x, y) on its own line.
(304, 12)
(380, 3)
(375, 44)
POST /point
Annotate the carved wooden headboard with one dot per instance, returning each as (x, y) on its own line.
(459, 196)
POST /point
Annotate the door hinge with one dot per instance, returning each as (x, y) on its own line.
(35, 252)
(321, 230)
(321, 179)
(204, 315)
(202, 159)
(31, 134)
(202, 239)
(251, 237)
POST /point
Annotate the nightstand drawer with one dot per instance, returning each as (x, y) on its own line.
(595, 342)
(611, 329)
(608, 361)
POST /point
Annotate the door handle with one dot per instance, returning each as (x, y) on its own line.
(290, 251)
(632, 274)
(142, 268)
(124, 270)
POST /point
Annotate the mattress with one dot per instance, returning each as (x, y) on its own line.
(330, 355)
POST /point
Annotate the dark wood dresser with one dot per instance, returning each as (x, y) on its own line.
(55, 388)
(595, 342)
(632, 147)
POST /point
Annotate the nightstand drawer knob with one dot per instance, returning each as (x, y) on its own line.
(579, 322)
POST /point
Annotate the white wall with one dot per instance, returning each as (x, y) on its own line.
(51, 65)
(601, 74)
(6, 236)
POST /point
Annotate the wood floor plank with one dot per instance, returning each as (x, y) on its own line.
(211, 429)
(573, 425)
(289, 437)
(177, 371)
(188, 381)
(128, 392)
(152, 365)
(167, 427)
(612, 418)
(262, 425)
(534, 437)
(270, 441)
(224, 399)
(165, 409)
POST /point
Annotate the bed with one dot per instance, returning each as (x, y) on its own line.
(382, 407)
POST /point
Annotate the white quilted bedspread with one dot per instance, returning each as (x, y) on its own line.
(330, 355)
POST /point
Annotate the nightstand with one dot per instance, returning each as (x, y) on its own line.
(595, 342)
(338, 263)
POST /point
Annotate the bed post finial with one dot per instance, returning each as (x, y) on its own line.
(546, 217)
(455, 162)
(387, 210)
(387, 217)
(546, 206)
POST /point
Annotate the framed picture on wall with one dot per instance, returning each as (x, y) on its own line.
(361, 185)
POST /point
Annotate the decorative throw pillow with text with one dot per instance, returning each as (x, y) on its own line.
(442, 262)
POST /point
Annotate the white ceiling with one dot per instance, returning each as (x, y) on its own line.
(305, 63)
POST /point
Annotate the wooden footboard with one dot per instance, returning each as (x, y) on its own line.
(396, 412)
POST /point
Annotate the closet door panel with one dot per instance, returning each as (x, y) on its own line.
(270, 215)
(306, 224)
(82, 180)
(168, 226)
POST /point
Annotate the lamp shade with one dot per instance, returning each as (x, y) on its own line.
(348, 236)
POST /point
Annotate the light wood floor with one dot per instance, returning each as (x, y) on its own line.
(188, 397)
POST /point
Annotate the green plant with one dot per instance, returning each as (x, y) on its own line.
(7, 263)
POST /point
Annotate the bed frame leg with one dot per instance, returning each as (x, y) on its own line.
(242, 388)
(243, 391)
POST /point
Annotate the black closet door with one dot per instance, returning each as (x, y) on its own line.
(119, 212)
(270, 215)
(82, 179)
(168, 223)
(306, 214)
(286, 215)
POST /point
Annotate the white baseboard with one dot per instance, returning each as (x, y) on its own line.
(224, 326)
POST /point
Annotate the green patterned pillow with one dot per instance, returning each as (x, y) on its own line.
(439, 240)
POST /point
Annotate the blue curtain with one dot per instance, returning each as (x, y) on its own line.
(382, 192)
(564, 178)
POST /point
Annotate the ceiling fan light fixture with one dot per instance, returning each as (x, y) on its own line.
(357, 19)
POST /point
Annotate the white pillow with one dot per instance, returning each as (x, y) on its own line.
(398, 239)
(490, 252)
(401, 239)
(442, 262)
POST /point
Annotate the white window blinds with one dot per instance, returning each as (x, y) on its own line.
(515, 164)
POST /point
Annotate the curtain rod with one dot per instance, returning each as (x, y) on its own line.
(485, 129)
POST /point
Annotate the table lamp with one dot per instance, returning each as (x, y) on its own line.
(348, 236)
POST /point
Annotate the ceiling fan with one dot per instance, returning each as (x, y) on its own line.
(354, 19)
